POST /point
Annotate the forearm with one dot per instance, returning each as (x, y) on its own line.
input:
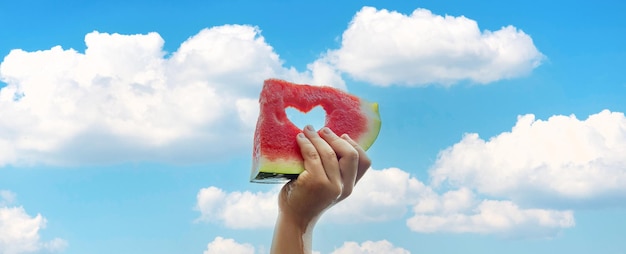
(292, 236)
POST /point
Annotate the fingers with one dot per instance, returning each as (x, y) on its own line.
(348, 160)
(364, 160)
(312, 162)
(327, 156)
(330, 159)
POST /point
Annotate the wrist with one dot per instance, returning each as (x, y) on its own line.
(297, 221)
(293, 234)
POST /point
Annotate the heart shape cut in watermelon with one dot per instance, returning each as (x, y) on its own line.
(276, 155)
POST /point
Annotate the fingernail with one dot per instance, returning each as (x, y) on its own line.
(309, 127)
(346, 136)
(326, 130)
(300, 135)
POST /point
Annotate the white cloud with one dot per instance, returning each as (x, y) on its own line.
(19, 232)
(458, 211)
(386, 47)
(561, 161)
(381, 195)
(388, 194)
(248, 110)
(220, 245)
(370, 247)
(124, 98)
(325, 74)
(238, 209)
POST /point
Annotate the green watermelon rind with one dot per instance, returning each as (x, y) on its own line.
(374, 124)
(277, 171)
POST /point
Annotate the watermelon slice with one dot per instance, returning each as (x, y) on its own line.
(276, 155)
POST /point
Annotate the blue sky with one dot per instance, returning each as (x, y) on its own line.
(125, 126)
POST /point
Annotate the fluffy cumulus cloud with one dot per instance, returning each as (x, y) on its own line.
(370, 247)
(388, 194)
(221, 245)
(539, 172)
(386, 47)
(238, 209)
(562, 161)
(459, 211)
(19, 231)
(381, 195)
(391, 194)
(125, 98)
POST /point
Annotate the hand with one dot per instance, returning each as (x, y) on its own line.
(333, 165)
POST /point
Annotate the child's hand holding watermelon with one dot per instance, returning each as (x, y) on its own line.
(332, 165)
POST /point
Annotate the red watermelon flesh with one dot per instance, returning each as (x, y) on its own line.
(276, 155)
